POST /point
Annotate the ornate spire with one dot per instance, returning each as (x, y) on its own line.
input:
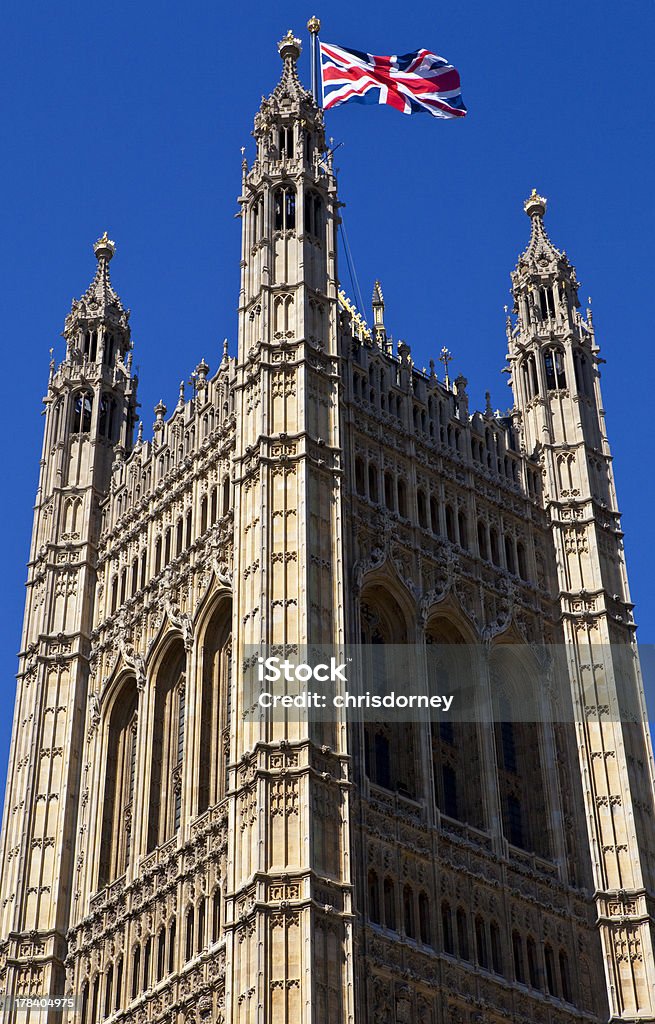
(540, 248)
(290, 49)
(100, 301)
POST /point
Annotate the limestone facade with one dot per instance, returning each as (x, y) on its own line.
(169, 858)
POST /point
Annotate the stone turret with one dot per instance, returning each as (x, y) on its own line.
(89, 414)
(555, 377)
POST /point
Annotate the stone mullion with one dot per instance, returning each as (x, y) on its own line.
(491, 797)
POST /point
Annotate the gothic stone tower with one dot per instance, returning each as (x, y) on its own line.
(555, 376)
(288, 881)
(170, 857)
(89, 415)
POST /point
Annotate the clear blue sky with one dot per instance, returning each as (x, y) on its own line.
(130, 117)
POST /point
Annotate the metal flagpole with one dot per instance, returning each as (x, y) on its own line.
(314, 27)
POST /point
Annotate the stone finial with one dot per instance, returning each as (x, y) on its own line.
(290, 47)
(160, 410)
(535, 205)
(488, 408)
(202, 369)
(104, 248)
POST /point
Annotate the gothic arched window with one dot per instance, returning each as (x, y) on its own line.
(565, 977)
(481, 942)
(496, 948)
(533, 968)
(408, 912)
(82, 411)
(214, 719)
(216, 914)
(522, 777)
(257, 218)
(107, 417)
(167, 747)
(285, 141)
(455, 746)
(120, 779)
(517, 952)
(313, 214)
(462, 934)
(389, 904)
(447, 929)
(425, 931)
(554, 367)
(284, 208)
(551, 982)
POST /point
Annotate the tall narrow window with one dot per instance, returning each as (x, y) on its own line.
(189, 934)
(161, 954)
(373, 897)
(515, 821)
(96, 997)
(109, 984)
(565, 977)
(496, 948)
(171, 947)
(200, 940)
(481, 943)
(517, 951)
(533, 970)
(82, 412)
(108, 351)
(482, 540)
(147, 959)
(216, 915)
(425, 931)
(402, 498)
(551, 983)
(462, 935)
(373, 482)
(408, 911)
(422, 509)
(447, 929)
(214, 707)
(119, 984)
(284, 209)
(167, 738)
(120, 775)
(136, 971)
(463, 530)
(389, 904)
(285, 141)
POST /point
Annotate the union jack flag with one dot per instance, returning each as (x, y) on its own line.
(418, 81)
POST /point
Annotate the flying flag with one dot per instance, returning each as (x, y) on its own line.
(418, 81)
